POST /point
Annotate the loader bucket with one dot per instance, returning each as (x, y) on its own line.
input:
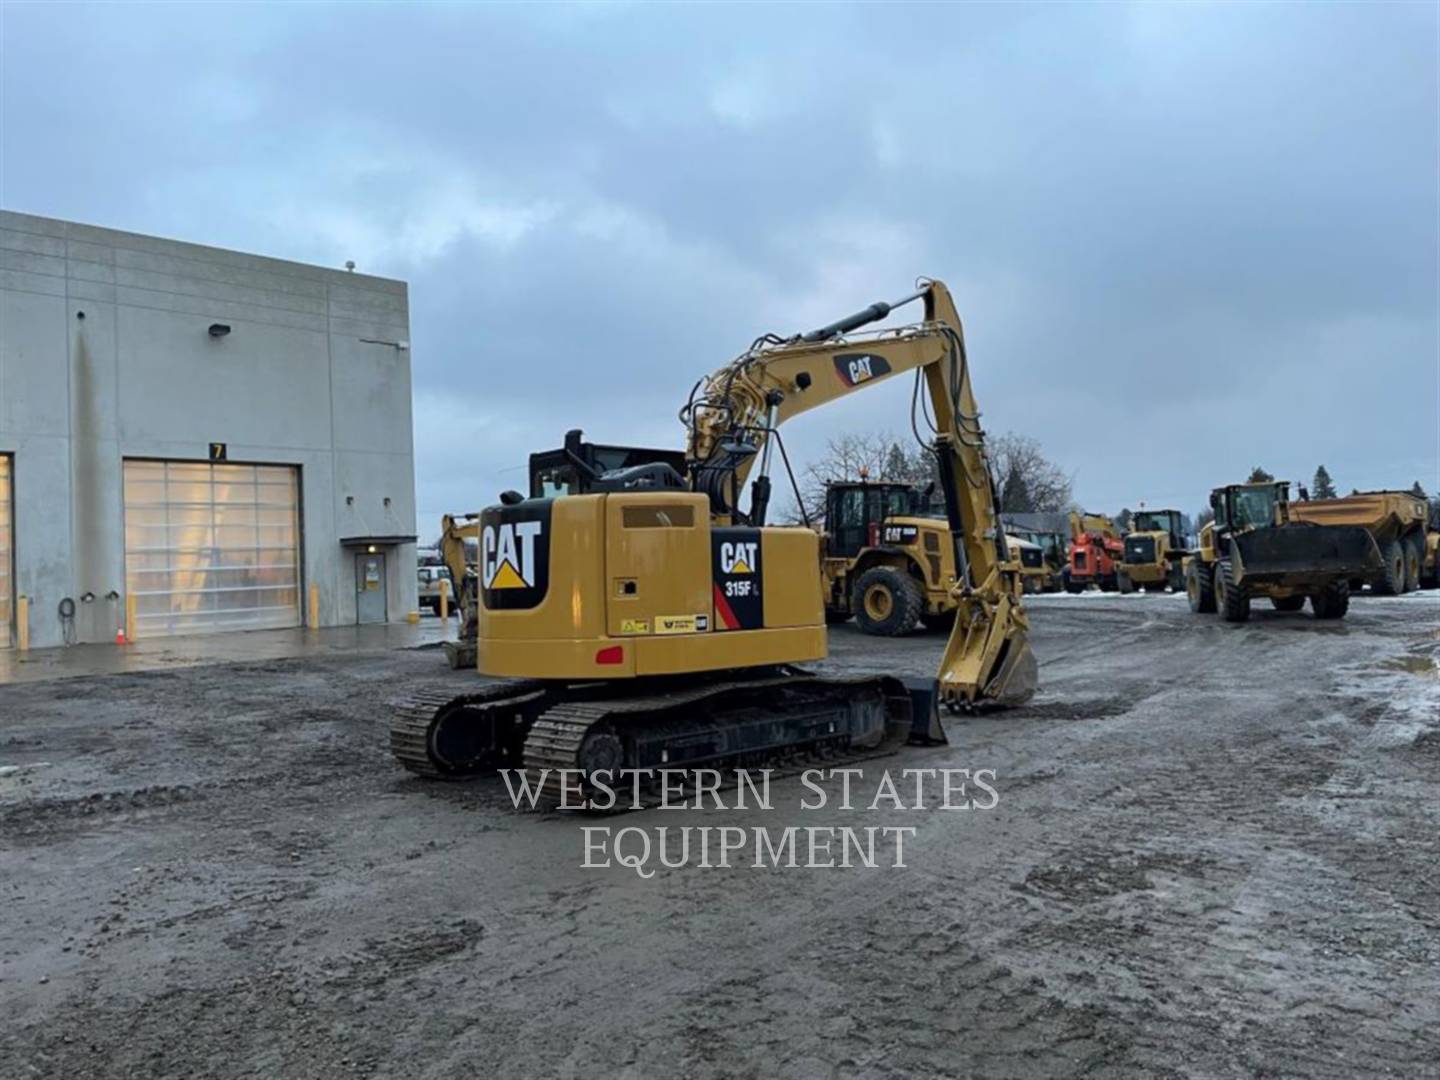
(1299, 553)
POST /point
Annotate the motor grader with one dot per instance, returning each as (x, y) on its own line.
(1257, 547)
(1152, 554)
(888, 558)
(648, 616)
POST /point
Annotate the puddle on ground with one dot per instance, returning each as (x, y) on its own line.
(1415, 665)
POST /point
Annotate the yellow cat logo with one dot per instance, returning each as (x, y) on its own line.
(507, 554)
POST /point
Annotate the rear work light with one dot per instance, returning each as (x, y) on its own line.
(611, 654)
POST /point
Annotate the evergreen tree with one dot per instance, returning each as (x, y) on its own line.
(1322, 487)
(897, 466)
(1417, 490)
(1015, 496)
(1259, 476)
(1122, 520)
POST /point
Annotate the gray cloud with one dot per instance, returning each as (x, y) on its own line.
(1186, 239)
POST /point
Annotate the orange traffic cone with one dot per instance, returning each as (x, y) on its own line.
(120, 636)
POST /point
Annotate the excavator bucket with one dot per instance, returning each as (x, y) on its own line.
(988, 659)
(1294, 553)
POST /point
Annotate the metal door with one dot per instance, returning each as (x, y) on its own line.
(370, 588)
(212, 547)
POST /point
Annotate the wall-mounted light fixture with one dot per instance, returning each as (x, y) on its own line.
(219, 329)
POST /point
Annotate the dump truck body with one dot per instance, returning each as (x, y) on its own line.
(1397, 521)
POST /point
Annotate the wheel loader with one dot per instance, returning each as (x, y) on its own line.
(648, 617)
(1044, 572)
(888, 558)
(1151, 556)
(1256, 547)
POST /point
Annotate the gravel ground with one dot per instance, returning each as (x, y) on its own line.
(1215, 853)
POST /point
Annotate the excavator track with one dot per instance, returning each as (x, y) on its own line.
(771, 720)
(781, 723)
(416, 722)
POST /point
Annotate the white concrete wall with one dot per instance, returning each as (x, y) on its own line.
(139, 376)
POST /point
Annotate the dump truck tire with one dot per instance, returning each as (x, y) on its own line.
(1231, 599)
(1287, 603)
(1414, 555)
(1200, 587)
(1392, 575)
(1068, 585)
(1123, 583)
(887, 602)
(1332, 601)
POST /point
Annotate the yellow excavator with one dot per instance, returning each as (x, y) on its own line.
(457, 532)
(645, 620)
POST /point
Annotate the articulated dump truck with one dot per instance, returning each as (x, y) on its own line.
(1397, 521)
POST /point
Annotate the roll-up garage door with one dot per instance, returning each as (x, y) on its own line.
(7, 580)
(212, 547)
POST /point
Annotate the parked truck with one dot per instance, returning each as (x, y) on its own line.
(1396, 519)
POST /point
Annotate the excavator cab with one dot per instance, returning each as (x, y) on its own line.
(580, 467)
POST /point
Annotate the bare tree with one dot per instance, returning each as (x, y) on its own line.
(874, 455)
(1027, 481)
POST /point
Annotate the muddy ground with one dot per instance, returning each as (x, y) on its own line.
(1215, 854)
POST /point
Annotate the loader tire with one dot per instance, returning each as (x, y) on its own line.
(1200, 587)
(1391, 581)
(1232, 599)
(1332, 601)
(1123, 582)
(1287, 603)
(1414, 556)
(887, 602)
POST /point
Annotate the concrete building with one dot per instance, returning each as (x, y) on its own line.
(208, 432)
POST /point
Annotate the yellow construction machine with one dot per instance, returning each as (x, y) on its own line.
(1258, 546)
(1396, 519)
(889, 559)
(647, 621)
(457, 534)
(1154, 550)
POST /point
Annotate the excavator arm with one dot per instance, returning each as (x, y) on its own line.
(733, 417)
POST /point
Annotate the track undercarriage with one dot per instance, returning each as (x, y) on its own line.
(558, 732)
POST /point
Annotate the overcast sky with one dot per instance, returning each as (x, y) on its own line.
(1185, 240)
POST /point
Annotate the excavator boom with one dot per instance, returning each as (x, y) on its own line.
(734, 416)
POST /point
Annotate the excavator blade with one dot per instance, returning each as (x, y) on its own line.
(988, 659)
